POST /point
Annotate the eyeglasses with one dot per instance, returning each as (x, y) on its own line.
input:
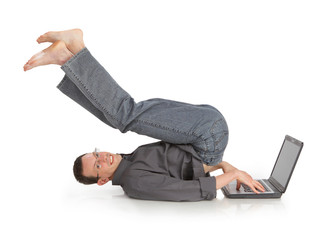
(97, 165)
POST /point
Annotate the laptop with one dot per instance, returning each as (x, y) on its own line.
(277, 183)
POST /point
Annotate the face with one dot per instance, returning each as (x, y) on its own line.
(104, 165)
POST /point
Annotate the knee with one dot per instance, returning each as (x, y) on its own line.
(216, 142)
(219, 132)
(218, 127)
(215, 134)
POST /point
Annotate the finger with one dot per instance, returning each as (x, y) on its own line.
(238, 185)
(262, 187)
(254, 190)
(259, 186)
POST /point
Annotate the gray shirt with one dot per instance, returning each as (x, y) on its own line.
(164, 171)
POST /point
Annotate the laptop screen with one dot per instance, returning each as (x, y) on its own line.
(286, 161)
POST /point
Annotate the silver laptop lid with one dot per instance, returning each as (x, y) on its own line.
(285, 164)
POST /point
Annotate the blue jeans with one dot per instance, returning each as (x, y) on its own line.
(90, 85)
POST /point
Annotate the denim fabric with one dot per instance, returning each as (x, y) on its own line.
(202, 126)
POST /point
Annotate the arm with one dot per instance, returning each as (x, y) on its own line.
(241, 177)
(224, 179)
(154, 186)
(225, 166)
(230, 174)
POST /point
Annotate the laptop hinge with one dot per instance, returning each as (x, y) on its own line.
(276, 184)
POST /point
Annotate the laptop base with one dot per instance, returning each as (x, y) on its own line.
(230, 192)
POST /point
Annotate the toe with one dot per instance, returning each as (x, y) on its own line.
(44, 38)
(39, 39)
(47, 37)
(37, 60)
(27, 67)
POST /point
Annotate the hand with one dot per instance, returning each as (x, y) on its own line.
(243, 177)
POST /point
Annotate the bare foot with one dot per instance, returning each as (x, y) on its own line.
(57, 53)
(72, 38)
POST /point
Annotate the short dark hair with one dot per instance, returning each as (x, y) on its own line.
(78, 172)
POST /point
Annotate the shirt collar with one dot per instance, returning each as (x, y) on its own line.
(121, 168)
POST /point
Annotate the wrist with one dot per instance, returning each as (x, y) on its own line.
(221, 165)
(225, 178)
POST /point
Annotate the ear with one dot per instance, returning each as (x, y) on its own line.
(102, 181)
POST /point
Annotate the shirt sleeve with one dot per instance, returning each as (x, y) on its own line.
(154, 186)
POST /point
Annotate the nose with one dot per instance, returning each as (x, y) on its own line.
(104, 157)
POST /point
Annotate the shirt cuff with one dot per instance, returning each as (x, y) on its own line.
(208, 187)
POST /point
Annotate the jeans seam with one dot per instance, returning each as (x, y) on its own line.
(176, 130)
(61, 83)
(167, 128)
(92, 97)
(216, 141)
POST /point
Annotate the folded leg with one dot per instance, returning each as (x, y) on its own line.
(90, 85)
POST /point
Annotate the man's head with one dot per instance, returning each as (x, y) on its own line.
(96, 167)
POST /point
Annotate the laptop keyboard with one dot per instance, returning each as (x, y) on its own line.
(248, 189)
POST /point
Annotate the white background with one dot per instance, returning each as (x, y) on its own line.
(268, 66)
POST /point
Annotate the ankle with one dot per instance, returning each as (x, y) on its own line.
(75, 48)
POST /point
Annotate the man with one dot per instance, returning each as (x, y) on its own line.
(177, 168)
